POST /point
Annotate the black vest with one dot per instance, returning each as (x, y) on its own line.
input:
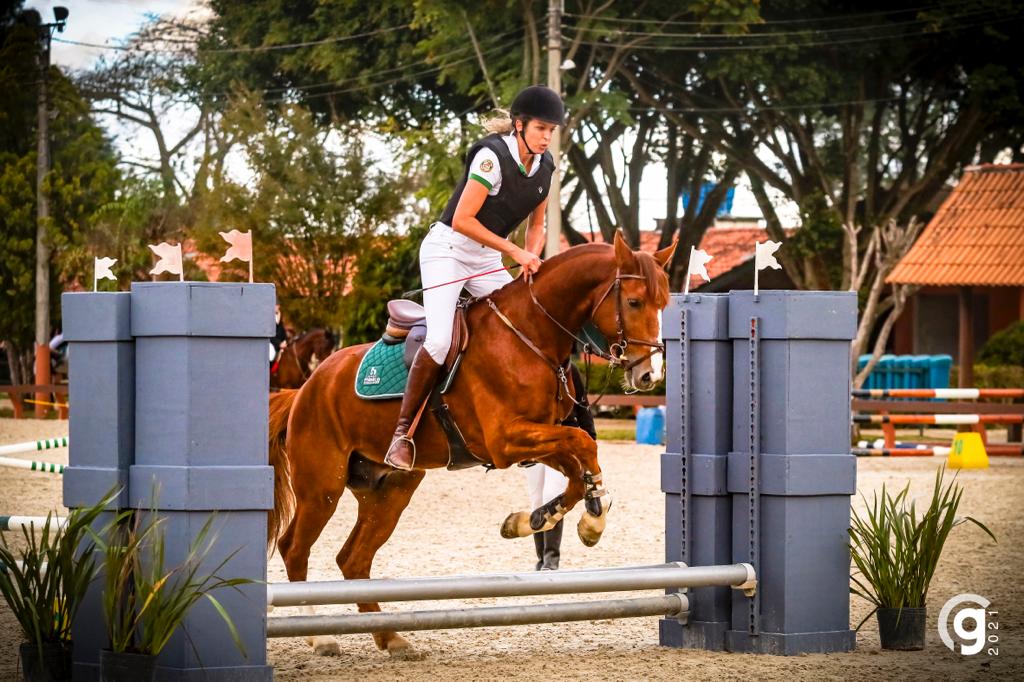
(518, 195)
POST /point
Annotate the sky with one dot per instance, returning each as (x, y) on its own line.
(109, 22)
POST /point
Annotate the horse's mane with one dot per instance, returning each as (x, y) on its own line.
(654, 275)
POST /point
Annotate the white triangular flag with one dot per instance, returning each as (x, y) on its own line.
(241, 247)
(697, 266)
(763, 255)
(764, 258)
(103, 268)
(170, 259)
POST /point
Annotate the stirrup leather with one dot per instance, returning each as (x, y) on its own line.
(391, 448)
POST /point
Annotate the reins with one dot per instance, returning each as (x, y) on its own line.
(616, 354)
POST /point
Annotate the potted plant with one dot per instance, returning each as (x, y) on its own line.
(896, 552)
(44, 583)
(144, 601)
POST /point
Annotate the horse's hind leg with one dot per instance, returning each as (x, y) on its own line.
(316, 499)
(380, 507)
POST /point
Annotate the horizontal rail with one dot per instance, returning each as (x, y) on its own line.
(34, 445)
(37, 522)
(902, 452)
(671, 605)
(935, 407)
(940, 393)
(938, 418)
(15, 463)
(675, 575)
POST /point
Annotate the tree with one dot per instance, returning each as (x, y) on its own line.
(82, 178)
(315, 201)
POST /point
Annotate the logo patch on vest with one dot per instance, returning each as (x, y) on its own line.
(486, 165)
(540, 190)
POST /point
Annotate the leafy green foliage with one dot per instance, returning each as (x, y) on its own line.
(316, 201)
(385, 269)
(45, 581)
(144, 600)
(1005, 347)
(896, 551)
(83, 177)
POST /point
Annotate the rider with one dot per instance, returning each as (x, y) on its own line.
(506, 181)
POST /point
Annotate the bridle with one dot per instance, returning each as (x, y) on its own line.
(616, 353)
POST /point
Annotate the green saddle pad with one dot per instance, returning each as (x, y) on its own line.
(382, 373)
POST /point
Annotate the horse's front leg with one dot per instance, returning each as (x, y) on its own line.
(571, 451)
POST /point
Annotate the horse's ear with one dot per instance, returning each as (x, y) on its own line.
(623, 254)
(664, 257)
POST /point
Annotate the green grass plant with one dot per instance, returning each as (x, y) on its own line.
(896, 550)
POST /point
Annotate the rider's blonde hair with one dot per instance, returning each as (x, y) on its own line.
(500, 123)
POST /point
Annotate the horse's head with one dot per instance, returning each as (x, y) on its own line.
(321, 345)
(627, 313)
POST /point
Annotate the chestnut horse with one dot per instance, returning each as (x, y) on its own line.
(301, 357)
(323, 438)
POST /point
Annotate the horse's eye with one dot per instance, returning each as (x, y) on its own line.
(635, 302)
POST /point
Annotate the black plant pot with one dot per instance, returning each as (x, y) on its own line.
(121, 666)
(54, 665)
(902, 629)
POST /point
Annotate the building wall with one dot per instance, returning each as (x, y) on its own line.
(930, 324)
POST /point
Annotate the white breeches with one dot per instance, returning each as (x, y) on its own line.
(447, 255)
(545, 484)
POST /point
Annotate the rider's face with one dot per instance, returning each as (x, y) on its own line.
(537, 134)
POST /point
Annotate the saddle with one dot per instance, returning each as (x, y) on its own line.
(406, 330)
(407, 322)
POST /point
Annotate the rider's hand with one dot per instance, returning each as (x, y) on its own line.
(529, 261)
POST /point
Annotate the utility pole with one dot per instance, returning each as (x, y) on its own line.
(42, 350)
(554, 231)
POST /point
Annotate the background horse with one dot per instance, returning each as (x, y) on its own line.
(508, 398)
(300, 357)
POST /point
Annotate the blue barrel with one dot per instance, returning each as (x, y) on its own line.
(650, 426)
(938, 374)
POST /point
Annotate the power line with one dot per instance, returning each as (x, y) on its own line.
(766, 22)
(232, 50)
(776, 34)
(763, 46)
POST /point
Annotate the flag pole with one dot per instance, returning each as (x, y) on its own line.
(181, 263)
(95, 279)
(252, 255)
(686, 282)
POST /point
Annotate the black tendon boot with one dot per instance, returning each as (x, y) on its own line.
(552, 547)
(538, 543)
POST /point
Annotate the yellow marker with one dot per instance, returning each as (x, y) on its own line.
(968, 452)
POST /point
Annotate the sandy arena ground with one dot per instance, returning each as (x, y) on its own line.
(451, 526)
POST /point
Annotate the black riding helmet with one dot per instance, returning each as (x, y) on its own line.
(539, 102)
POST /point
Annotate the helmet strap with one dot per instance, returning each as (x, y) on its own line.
(523, 135)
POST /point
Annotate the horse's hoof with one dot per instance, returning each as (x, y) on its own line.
(517, 525)
(325, 646)
(590, 528)
(400, 649)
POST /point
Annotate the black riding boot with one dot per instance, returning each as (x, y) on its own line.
(538, 543)
(422, 378)
(552, 547)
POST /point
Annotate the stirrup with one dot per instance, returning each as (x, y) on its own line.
(387, 455)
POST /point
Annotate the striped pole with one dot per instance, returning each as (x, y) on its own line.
(47, 467)
(944, 393)
(33, 445)
(901, 452)
(938, 418)
(30, 522)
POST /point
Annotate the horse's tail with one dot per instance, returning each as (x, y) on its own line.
(284, 498)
